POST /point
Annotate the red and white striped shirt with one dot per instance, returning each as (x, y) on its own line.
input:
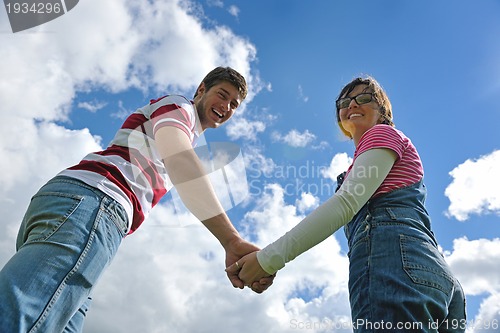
(130, 169)
(407, 169)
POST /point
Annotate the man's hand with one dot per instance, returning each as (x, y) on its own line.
(236, 250)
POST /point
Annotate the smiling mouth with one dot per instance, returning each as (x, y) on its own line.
(220, 115)
(355, 115)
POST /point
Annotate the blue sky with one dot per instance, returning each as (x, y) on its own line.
(67, 85)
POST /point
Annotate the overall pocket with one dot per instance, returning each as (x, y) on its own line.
(425, 265)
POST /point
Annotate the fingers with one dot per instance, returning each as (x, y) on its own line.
(267, 281)
(232, 274)
(236, 282)
(258, 286)
(246, 271)
(233, 269)
(263, 284)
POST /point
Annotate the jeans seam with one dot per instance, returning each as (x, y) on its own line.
(121, 228)
(75, 268)
(369, 278)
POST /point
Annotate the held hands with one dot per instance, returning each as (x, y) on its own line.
(239, 249)
(250, 273)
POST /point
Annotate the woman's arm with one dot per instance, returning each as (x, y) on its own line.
(367, 174)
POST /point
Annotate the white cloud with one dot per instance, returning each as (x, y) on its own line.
(122, 112)
(475, 188)
(301, 95)
(32, 152)
(488, 317)
(306, 202)
(124, 44)
(242, 128)
(234, 10)
(259, 169)
(92, 106)
(475, 263)
(340, 162)
(294, 138)
(215, 3)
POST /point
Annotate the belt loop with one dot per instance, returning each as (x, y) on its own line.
(391, 213)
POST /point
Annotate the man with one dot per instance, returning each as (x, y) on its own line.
(75, 223)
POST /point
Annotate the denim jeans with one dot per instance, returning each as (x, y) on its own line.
(69, 235)
(398, 280)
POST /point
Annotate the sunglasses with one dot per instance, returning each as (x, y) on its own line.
(362, 98)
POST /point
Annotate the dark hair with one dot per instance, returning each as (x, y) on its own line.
(228, 74)
(379, 94)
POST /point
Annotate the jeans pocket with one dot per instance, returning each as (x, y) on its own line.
(116, 213)
(46, 213)
(112, 225)
(423, 263)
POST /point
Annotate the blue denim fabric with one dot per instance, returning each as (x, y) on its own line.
(398, 280)
(69, 235)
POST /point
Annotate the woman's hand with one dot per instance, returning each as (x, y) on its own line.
(251, 273)
(236, 250)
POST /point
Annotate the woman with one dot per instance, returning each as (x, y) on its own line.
(398, 280)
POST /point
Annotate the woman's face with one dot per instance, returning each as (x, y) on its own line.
(358, 118)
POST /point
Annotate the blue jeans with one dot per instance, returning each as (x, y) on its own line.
(398, 280)
(69, 235)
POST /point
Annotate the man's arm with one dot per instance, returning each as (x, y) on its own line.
(196, 191)
(191, 181)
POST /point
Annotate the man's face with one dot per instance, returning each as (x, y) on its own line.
(216, 105)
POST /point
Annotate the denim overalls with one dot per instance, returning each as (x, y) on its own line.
(398, 280)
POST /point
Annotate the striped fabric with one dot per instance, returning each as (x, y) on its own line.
(130, 169)
(407, 169)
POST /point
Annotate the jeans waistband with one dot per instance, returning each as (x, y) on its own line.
(75, 181)
(80, 188)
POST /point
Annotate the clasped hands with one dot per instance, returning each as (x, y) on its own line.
(245, 270)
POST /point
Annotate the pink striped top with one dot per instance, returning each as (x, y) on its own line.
(407, 169)
(130, 169)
